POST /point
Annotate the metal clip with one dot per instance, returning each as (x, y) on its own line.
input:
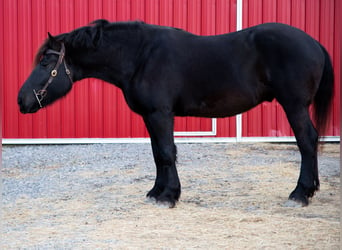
(40, 96)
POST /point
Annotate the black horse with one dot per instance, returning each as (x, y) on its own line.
(166, 72)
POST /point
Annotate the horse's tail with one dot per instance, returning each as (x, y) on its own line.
(323, 99)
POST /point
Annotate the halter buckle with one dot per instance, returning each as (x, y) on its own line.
(54, 73)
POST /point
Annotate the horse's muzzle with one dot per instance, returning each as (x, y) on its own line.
(27, 105)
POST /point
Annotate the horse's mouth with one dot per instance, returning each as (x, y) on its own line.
(25, 109)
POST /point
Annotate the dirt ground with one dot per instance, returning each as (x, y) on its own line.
(233, 197)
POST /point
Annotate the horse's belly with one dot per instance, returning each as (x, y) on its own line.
(222, 107)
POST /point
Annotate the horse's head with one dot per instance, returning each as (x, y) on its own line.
(79, 54)
(50, 79)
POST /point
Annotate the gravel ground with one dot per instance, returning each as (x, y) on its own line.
(233, 195)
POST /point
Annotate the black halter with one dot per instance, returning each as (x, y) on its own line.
(40, 94)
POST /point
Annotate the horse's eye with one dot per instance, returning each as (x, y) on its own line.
(44, 62)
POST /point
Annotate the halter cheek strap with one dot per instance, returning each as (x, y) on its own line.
(40, 94)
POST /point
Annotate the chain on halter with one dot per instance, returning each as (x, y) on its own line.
(40, 94)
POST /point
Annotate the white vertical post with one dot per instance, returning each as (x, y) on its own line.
(214, 126)
(239, 15)
(239, 27)
(239, 128)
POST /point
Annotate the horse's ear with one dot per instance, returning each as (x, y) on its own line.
(51, 37)
(53, 43)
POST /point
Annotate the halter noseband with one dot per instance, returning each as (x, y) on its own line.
(40, 94)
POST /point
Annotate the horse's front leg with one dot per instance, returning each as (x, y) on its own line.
(167, 187)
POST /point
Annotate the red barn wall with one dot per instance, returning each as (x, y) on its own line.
(95, 109)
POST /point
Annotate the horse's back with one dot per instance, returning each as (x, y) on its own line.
(218, 76)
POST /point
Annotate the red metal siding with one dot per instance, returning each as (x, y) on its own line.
(94, 109)
(319, 19)
(337, 65)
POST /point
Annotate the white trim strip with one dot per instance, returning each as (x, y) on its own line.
(74, 141)
(213, 131)
(147, 140)
(239, 20)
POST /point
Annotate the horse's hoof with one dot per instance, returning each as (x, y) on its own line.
(297, 197)
(301, 194)
(166, 204)
(151, 200)
(164, 197)
(161, 204)
(293, 203)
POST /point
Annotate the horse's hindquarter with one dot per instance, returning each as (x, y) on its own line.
(292, 59)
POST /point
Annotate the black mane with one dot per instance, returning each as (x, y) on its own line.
(86, 37)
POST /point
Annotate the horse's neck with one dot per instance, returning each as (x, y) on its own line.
(114, 63)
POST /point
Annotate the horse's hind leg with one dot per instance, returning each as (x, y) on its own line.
(307, 139)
